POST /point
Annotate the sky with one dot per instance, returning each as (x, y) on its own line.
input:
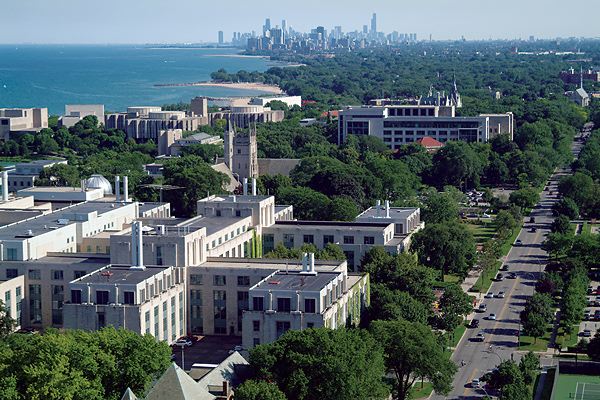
(194, 21)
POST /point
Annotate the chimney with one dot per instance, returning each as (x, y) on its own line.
(137, 250)
(378, 208)
(245, 186)
(253, 186)
(89, 294)
(234, 198)
(308, 264)
(311, 265)
(5, 186)
(116, 294)
(387, 208)
(125, 189)
(117, 188)
(82, 185)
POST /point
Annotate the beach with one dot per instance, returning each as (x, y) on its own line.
(271, 89)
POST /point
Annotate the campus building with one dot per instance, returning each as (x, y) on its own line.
(23, 175)
(302, 299)
(76, 112)
(242, 116)
(397, 125)
(21, 121)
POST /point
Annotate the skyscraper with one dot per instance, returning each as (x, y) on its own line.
(374, 24)
(284, 26)
(365, 29)
(220, 37)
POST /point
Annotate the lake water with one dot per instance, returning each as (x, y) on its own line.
(116, 76)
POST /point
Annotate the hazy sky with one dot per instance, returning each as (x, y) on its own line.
(159, 21)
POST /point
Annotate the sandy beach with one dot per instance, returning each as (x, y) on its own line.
(271, 89)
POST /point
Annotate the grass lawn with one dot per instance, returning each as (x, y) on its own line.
(506, 246)
(567, 385)
(564, 339)
(527, 343)
(587, 229)
(451, 278)
(483, 232)
(454, 337)
(420, 392)
(485, 279)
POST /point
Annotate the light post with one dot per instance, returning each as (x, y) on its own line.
(182, 345)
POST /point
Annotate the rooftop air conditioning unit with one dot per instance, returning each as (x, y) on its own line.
(63, 221)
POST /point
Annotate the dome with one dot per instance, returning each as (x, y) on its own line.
(97, 181)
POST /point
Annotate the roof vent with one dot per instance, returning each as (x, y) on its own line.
(63, 221)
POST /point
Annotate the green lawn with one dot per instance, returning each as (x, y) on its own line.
(506, 246)
(566, 385)
(483, 232)
(564, 339)
(527, 343)
(420, 391)
(485, 279)
(451, 278)
(454, 337)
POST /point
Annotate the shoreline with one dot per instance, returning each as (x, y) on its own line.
(270, 89)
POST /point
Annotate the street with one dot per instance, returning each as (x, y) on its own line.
(527, 260)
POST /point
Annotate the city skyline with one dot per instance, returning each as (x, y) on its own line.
(70, 22)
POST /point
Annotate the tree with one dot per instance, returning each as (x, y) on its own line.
(308, 203)
(557, 244)
(454, 305)
(456, 164)
(505, 223)
(439, 207)
(392, 304)
(447, 247)
(258, 390)
(59, 175)
(504, 376)
(196, 178)
(343, 209)
(566, 206)
(561, 225)
(537, 314)
(524, 198)
(412, 352)
(7, 324)
(529, 366)
(322, 364)
(593, 347)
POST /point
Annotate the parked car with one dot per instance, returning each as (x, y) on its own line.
(512, 275)
(476, 383)
(489, 295)
(480, 337)
(590, 290)
(586, 333)
(518, 242)
(501, 295)
(183, 342)
(499, 277)
(533, 230)
(474, 323)
(504, 267)
(492, 317)
(532, 219)
(482, 308)
(597, 315)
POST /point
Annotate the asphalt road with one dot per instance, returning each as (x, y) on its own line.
(527, 260)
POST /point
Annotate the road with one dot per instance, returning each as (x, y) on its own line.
(527, 260)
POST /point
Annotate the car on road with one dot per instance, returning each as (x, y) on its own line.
(512, 275)
(236, 348)
(587, 315)
(480, 337)
(183, 342)
(482, 308)
(499, 277)
(590, 290)
(501, 295)
(489, 295)
(597, 315)
(474, 323)
(518, 242)
(492, 317)
(533, 230)
(476, 383)
(504, 267)
(532, 219)
(586, 333)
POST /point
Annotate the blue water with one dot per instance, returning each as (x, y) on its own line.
(116, 76)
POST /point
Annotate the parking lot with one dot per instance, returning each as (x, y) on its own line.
(206, 350)
(591, 321)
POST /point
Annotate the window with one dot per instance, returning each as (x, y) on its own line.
(283, 304)
(57, 275)
(238, 213)
(308, 239)
(310, 325)
(128, 297)
(256, 326)
(195, 279)
(35, 304)
(258, 303)
(7, 302)
(19, 305)
(156, 322)
(327, 239)
(256, 341)
(35, 274)
(288, 240)
(159, 257)
(310, 305)
(196, 296)
(219, 280)
(57, 304)
(76, 296)
(282, 327)
(11, 254)
(243, 280)
(147, 322)
(78, 274)
(369, 240)
(220, 311)
(218, 213)
(348, 239)
(101, 296)
(12, 273)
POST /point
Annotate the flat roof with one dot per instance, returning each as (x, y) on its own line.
(121, 274)
(57, 189)
(214, 224)
(265, 263)
(65, 259)
(46, 223)
(238, 198)
(395, 213)
(147, 206)
(293, 281)
(375, 225)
